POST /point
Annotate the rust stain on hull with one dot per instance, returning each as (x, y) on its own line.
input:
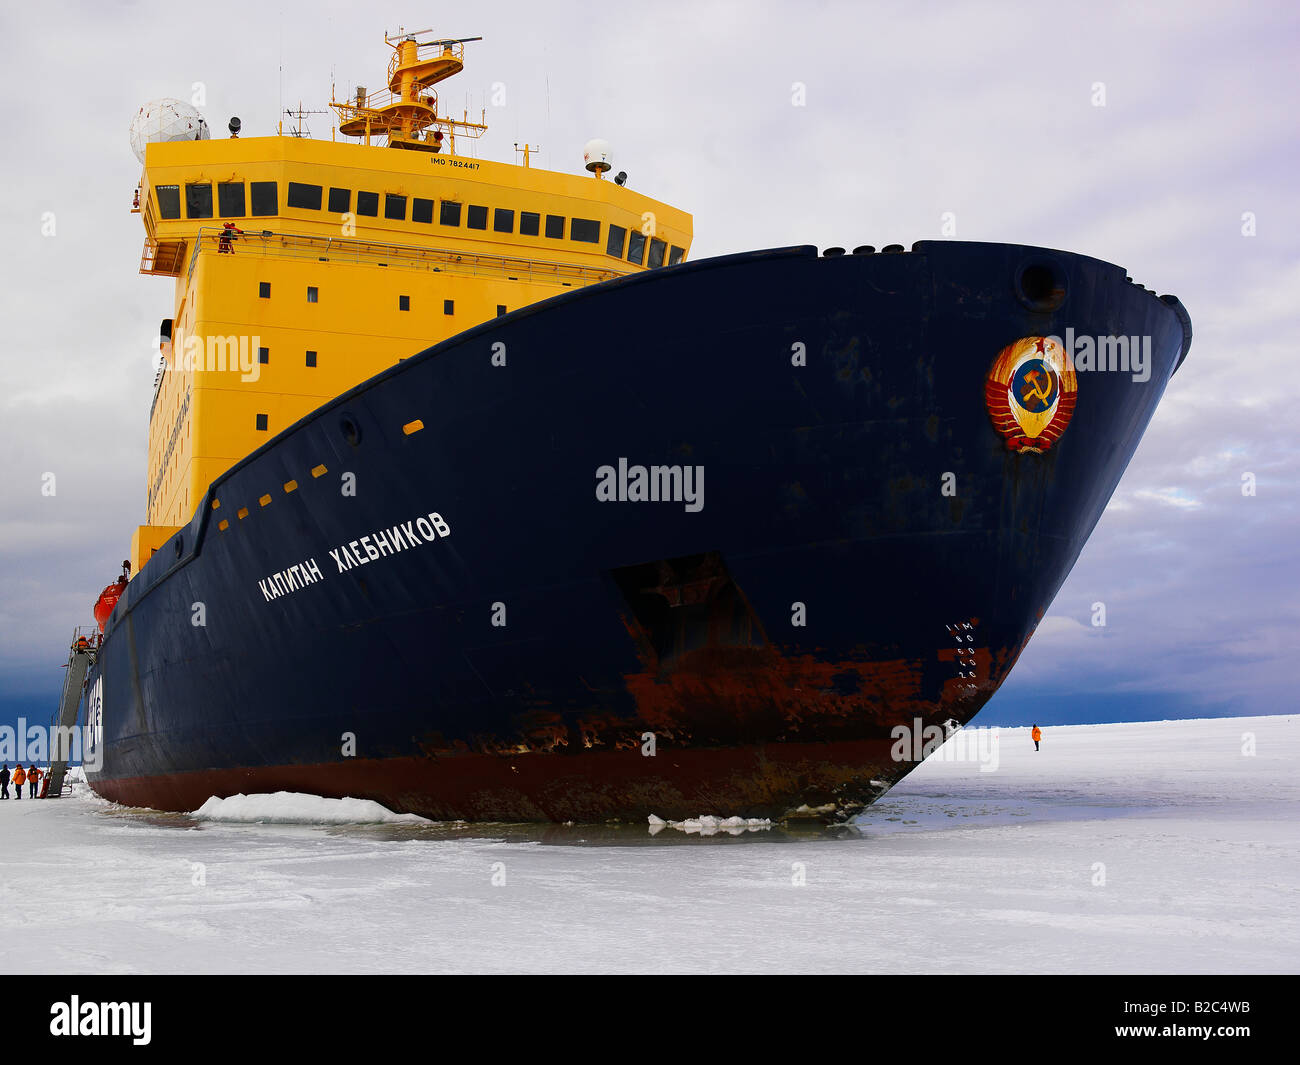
(758, 781)
(729, 693)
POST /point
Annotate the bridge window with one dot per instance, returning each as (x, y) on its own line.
(306, 196)
(198, 201)
(503, 221)
(340, 201)
(262, 423)
(230, 199)
(368, 204)
(311, 358)
(264, 290)
(448, 306)
(312, 293)
(529, 223)
(501, 309)
(422, 210)
(476, 217)
(657, 249)
(169, 200)
(265, 197)
(614, 244)
(403, 303)
(586, 230)
(449, 214)
(636, 247)
(395, 207)
(264, 355)
(675, 255)
(555, 226)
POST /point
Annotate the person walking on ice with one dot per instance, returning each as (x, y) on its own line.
(19, 779)
(4, 781)
(1036, 735)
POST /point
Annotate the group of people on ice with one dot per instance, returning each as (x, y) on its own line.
(31, 776)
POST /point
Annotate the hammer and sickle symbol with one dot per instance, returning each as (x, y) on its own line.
(1035, 390)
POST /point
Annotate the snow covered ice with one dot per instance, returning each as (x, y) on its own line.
(1117, 848)
(708, 825)
(284, 807)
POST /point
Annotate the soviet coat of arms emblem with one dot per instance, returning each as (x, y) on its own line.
(1030, 393)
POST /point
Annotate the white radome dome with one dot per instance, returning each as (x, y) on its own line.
(166, 120)
(597, 155)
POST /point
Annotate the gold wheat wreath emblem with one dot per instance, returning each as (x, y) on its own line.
(1030, 393)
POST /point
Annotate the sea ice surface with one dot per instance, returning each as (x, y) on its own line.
(1161, 847)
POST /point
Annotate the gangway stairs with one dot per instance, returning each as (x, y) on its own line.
(81, 656)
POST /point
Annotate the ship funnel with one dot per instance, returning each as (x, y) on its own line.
(598, 156)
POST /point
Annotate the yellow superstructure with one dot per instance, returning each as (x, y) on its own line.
(345, 258)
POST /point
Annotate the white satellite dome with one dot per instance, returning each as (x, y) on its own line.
(166, 120)
(597, 155)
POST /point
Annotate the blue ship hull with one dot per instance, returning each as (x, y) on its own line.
(549, 654)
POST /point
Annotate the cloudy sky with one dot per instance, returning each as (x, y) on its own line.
(913, 109)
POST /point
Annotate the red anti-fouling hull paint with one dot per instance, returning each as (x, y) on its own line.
(593, 786)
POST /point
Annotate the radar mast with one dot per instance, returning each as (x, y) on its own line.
(406, 112)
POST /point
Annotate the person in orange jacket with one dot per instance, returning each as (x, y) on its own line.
(33, 778)
(19, 778)
(1036, 735)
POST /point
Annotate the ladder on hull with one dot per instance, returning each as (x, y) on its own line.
(81, 656)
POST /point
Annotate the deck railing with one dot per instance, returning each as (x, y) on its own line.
(409, 256)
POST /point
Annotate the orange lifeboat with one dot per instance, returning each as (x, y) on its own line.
(109, 596)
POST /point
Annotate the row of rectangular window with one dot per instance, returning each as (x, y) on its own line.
(264, 194)
(264, 357)
(403, 304)
(231, 202)
(264, 292)
(636, 244)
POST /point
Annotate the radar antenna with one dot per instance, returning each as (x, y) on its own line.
(298, 115)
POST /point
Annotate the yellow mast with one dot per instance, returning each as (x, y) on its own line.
(408, 107)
